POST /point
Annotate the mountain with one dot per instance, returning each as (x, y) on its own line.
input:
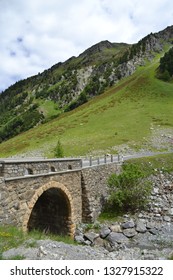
(98, 73)
(61, 88)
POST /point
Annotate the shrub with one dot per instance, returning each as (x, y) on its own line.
(59, 153)
(129, 191)
(165, 76)
(165, 69)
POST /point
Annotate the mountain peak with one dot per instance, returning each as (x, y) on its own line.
(98, 48)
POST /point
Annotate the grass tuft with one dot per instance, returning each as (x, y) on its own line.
(12, 237)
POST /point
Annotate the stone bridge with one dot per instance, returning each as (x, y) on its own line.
(52, 195)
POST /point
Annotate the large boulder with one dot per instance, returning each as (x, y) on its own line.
(117, 238)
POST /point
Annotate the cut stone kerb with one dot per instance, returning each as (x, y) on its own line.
(54, 201)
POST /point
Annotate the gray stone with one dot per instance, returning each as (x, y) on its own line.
(78, 231)
(153, 231)
(126, 216)
(140, 227)
(116, 228)
(87, 242)
(151, 224)
(129, 232)
(155, 190)
(149, 256)
(79, 239)
(129, 224)
(157, 215)
(104, 232)
(140, 215)
(91, 236)
(99, 242)
(110, 247)
(171, 211)
(115, 237)
(167, 218)
(41, 251)
(17, 206)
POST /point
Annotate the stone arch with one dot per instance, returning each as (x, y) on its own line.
(51, 210)
(70, 167)
(52, 169)
(28, 171)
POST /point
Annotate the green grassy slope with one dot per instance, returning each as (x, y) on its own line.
(123, 114)
(62, 87)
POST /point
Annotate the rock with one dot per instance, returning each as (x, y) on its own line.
(110, 247)
(140, 227)
(171, 211)
(167, 219)
(153, 231)
(149, 257)
(115, 237)
(79, 239)
(116, 228)
(156, 244)
(140, 215)
(87, 242)
(151, 224)
(104, 232)
(129, 232)
(126, 216)
(78, 231)
(156, 190)
(129, 224)
(91, 236)
(41, 252)
(99, 242)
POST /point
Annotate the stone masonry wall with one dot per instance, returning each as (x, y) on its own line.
(94, 188)
(18, 197)
(160, 207)
(12, 168)
(3, 197)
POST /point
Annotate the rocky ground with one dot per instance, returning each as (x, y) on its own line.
(127, 240)
(161, 139)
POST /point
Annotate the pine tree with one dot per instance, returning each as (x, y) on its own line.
(59, 153)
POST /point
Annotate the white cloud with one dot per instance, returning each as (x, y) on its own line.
(36, 34)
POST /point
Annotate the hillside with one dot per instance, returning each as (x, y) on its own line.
(107, 97)
(63, 87)
(128, 113)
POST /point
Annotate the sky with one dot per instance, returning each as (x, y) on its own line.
(36, 34)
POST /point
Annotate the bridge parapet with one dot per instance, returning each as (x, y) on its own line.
(18, 168)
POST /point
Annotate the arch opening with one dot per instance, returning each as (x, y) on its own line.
(70, 167)
(51, 213)
(52, 169)
(28, 171)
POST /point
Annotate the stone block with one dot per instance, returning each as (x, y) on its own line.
(128, 224)
(115, 237)
(171, 212)
(91, 236)
(104, 232)
(167, 219)
(129, 232)
(141, 227)
(116, 228)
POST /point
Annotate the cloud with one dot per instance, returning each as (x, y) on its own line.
(36, 34)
